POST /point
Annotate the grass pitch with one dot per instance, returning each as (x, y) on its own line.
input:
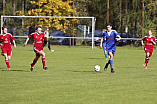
(71, 79)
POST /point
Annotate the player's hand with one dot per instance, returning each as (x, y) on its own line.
(152, 40)
(24, 44)
(100, 46)
(14, 45)
(117, 39)
(1, 44)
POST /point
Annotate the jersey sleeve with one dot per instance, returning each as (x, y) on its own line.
(116, 33)
(30, 36)
(154, 39)
(11, 37)
(143, 39)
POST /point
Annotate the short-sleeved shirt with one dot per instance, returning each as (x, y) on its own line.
(110, 39)
(38, 40)
(5, 39)
(148, 43)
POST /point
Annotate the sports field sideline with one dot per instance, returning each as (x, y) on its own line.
(71, 78)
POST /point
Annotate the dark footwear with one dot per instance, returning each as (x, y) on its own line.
(45, 68)
(112, 71)
(31, 67)
(105, 68)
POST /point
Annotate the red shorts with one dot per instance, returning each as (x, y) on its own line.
(148, 50)
(37, 50)
(6, 51)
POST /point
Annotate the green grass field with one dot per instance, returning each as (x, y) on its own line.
(71, 79)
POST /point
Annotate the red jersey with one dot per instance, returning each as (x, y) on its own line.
(6, 41)
(37, 39)
(148, 43)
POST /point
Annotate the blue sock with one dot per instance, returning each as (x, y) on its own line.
(111, 63)
(106, 55)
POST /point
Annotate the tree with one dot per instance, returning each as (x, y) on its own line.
(51, 8)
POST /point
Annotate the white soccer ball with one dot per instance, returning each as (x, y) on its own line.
(97, 68)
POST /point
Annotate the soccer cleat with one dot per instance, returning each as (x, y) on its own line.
(52, 50)
(45, 68)
(31, 67)
(105, 68)
(112, 71)
(8, 68)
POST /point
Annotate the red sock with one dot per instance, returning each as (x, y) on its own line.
(43, 60)
(146, 60)
(7, 63)
(34, 62)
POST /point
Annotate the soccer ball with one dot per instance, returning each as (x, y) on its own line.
(97, 68)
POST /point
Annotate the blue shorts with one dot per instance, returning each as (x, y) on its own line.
(112, 49)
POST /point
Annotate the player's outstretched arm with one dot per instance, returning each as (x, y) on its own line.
(119, 38)
(26, 42)
(14, 43)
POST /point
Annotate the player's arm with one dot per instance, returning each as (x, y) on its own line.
(12, 38)
(14, 43)
(153, 41)
(142, 42)
(118, 38)
(26, 42)
(101, 42)
(45, 38)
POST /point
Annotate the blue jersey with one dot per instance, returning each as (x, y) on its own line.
(110, 40)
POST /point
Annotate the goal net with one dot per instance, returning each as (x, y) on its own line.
(64, 30)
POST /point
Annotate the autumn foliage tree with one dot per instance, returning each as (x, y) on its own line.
(50, 8)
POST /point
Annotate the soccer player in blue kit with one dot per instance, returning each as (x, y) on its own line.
(111, 36)
(103, 44)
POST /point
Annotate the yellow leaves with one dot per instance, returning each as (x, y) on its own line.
(52, 8)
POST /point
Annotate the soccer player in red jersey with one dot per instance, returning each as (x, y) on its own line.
(38, 39)
(6, 45)
(149, 42)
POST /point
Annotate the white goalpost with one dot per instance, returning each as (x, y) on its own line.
(93, 21)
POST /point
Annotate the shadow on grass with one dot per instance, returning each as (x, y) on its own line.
(17, 70)
(85, 71)
(129, 67)
(95, 58)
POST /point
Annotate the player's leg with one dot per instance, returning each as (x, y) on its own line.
(105, 52)
(112, 53)
(7, 60)
(9, 54)
(4, 51)
(148, 55)
(35, 60)
(48, 42)
(111, 61)
(43, 59)
(51, 50)
(146, 60)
